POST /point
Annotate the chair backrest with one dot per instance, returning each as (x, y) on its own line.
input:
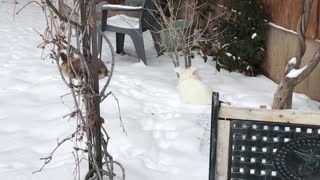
(135, 2)
(150, 15)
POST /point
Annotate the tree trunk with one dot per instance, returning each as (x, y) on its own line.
(92, 99)
(284, 94)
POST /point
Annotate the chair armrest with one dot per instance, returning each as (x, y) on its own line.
(117, 7)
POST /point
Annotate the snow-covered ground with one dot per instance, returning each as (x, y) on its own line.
(166, 139)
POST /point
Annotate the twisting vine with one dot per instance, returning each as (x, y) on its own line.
(75, 33)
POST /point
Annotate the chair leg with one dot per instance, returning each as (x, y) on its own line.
(119, 42)
(155, 33)
(137, 38)
(157, 41)
(102, 27)
(99, 44)
(99, 40)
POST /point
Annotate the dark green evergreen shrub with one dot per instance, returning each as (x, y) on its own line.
(242, 44)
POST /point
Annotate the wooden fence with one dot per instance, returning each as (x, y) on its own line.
(286, 13)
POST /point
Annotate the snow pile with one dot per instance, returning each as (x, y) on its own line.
(282, 28)
(166, 139)
(123, 21)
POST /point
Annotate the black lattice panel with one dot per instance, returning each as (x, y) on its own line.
(253, 146)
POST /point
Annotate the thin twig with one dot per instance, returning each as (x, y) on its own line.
(26, 6)
(56, 39)
(49, 157)
(119, 110)
(61, 17)
(112, 62)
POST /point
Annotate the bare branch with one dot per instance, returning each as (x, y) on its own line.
(61, 17)
(119, 110)
(26, 6)
(58, 37)
(310, 67)
(112, 63)
(305, 8)
(181, 39)
(49, 157)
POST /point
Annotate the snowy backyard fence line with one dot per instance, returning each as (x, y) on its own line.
(248, 143)
(285, 13)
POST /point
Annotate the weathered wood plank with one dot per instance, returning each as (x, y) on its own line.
(286, 14)
(282, 116)
(318, 35)
(223, 150)
(312, 31)
(294, 15)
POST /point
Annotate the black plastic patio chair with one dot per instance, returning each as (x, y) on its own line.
(134, 26)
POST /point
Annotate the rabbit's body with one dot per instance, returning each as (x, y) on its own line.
(191, 90)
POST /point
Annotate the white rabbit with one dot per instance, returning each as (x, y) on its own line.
(191, 90)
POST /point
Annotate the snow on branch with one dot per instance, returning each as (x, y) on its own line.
(294, 73)
(293, 61)
(121, 7)
(300, 74)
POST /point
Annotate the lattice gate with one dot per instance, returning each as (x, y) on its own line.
(261, 144)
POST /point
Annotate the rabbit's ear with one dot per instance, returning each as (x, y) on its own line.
(179, 70)
(193, 70)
